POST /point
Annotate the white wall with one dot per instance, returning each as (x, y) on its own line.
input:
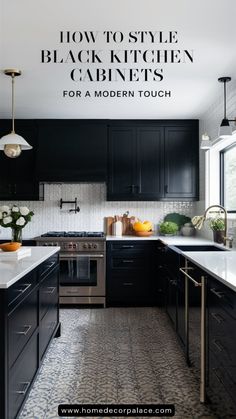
(94, 207)
(210, 122)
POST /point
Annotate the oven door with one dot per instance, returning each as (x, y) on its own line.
(82, 274)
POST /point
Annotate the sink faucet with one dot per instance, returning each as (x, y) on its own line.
(225, 219)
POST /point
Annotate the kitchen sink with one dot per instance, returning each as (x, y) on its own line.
(200, 248)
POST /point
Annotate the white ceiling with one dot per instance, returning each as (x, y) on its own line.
(26, 27)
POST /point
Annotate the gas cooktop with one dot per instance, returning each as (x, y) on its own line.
(73, 234)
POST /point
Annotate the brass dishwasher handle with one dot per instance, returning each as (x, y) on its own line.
(197, 284)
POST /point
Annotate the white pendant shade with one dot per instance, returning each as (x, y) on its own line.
(14, 138)
(225, 129)
(12, 144)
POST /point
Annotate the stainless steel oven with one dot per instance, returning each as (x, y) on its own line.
(82, 266)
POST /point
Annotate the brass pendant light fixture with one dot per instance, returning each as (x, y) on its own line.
(12, 144)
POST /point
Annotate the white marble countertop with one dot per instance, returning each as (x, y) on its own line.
(221, 265)
(12, 271)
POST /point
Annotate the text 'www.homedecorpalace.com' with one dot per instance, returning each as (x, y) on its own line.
(91, 410)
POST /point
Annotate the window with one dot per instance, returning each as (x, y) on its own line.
(228, 178)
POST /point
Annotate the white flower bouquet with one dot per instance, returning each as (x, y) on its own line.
(16, 218)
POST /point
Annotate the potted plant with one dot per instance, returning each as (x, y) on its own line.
(217, 225)
(168, 228)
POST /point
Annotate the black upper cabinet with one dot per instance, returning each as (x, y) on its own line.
(18, 179)
(135, 163)
(181, 162)
(72, 150)
(153, 160)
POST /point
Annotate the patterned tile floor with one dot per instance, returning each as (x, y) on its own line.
(115, 355)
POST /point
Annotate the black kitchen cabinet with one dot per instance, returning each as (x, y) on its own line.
(72, 150)
(222, 347)
(135, 158)
(130, 273)
(153, 160)
(181, 162)
(18, 177)
(29, 318)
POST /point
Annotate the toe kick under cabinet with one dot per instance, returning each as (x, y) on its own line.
(29, 317)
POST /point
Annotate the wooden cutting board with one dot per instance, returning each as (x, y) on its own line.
(127, 225)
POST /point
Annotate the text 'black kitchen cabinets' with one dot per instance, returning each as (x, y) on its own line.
(151, 161)
(140, 160)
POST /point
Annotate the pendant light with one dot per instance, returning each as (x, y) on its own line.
(225, 128)
(12, 144)
(206, 142)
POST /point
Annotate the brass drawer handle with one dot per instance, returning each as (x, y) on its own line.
(128, 283)
(219, 294)
(23, 392)
(128, 261)
(183, 270)
(25, 332)
(25, 287)
(217, 345)
(50, 290)
(217, 317)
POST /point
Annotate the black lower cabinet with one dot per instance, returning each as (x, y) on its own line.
(222, 348)
(29, 318)
(130, 272)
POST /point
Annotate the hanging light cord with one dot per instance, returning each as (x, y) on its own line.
(224, 99)
(12, 101)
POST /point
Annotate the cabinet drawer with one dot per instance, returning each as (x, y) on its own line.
(21, 325)
(128, 288)
(222, 296)
(48, 265)
(128, 262)
(126, 247)
(47, 327)
(48, 293)
(21, 376)
(21, 289)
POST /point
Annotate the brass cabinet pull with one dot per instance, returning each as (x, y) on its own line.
(25, 287)
(50, 290)
(128, 261)
(183, 270)
(128, 283)
(219, 294)
(26, 384)
(217, 317)
(217, 345)
(25, 332)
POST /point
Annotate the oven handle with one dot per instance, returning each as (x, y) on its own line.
(74, 256)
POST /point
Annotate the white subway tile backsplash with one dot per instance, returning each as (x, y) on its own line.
(93, 209)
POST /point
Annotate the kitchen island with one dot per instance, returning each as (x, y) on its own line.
(29, 319)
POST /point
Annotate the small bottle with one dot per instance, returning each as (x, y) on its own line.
(117, 227)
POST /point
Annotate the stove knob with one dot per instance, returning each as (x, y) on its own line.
(85, 246)
(89, 246)
(95, 246)
(74, 246)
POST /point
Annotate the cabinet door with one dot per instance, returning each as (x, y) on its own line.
(72, 151)
(181, 163)
(150, 159)
(19, 178)
(122, 164)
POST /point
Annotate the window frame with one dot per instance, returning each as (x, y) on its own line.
(222, 175)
